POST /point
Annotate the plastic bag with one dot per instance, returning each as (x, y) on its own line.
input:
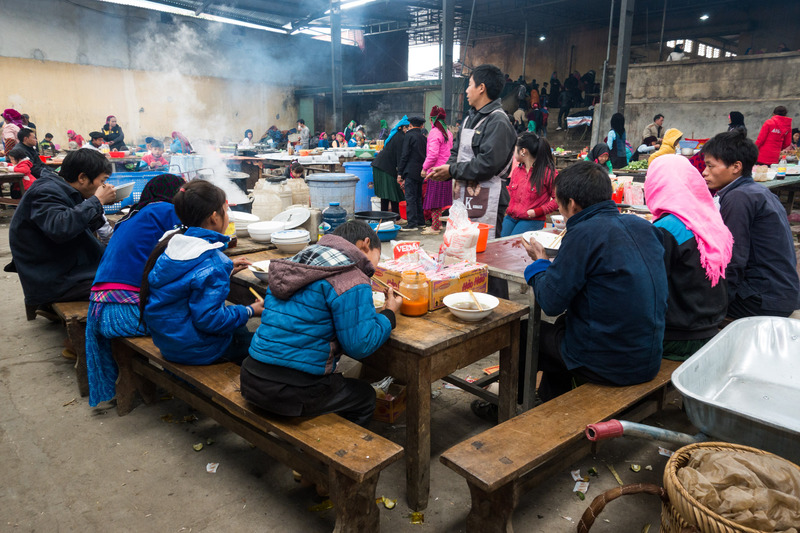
(460, 236)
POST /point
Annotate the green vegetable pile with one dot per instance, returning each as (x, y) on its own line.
(636, 165)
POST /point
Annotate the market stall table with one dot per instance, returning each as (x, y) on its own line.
(246, 245)
(790, 184)
(507, 259)
(422, 350)
(12, 178)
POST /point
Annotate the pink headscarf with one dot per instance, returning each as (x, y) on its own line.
(71, 134)
(185, 144)
(12, 116)
(109, 117)
(674, 186)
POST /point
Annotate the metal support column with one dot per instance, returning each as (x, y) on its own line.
(623, 54)
(448, 32)
(525, 48)
(336, 64)
(599, 110)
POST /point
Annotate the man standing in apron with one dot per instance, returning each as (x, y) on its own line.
(480, 160)
(481, 156)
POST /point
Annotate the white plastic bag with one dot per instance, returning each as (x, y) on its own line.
(460, 236)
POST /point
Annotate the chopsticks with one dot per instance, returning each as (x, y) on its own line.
(385, 286)
(557, 239)
(258, 296)
(474, 299)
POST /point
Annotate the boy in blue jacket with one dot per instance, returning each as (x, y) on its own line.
(609, 277)
(318, 306)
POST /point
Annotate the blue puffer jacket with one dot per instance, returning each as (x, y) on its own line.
(610, 278)
(186, 310)
(318, 306)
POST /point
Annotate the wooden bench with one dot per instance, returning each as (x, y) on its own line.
(329, 451)
(504, 461)
(73, 314)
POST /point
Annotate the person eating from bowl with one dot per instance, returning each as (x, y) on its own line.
(51, 236)
(318, 306)
(609, 281)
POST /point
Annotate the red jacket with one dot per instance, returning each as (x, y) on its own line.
(24, 167)
(523, 197)
(775, 135)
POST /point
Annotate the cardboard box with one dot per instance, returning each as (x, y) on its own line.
(453, 278)
(390, 410)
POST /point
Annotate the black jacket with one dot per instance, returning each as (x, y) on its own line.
(388, 159)
(52, 240)
(413, 155)
(114, 137)
(493, 145)
(764, 262)
(694, 308)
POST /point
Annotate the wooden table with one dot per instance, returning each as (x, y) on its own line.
(247, 246)
(422, 350)
(507, 259)
(12, 178)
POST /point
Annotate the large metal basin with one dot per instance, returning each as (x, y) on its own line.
(744, 385)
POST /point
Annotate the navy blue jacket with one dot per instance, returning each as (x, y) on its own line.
(609, 277)
(52, 240)
(132, 243)
(764, 261)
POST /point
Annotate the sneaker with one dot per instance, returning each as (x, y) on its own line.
(558, 128)
(410, 228)
(485, 410)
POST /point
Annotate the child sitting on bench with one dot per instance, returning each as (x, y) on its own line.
(187, 279)
(318, 306)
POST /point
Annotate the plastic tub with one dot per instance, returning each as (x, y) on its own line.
(365, 189)
(483, 237)
(327, 188)
(386, 235)
(139, 180)
(373, 217)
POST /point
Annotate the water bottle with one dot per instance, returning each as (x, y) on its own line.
(334, 216)
(781, 174)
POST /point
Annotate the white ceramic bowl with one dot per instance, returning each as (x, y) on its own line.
(462, 306)
(262, 231)
(291, 248)
(123, 191)
(242, 220)
(264, 265)
(294, 236)
(546, 239)
(558, 221)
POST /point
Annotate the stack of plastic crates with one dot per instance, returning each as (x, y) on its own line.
(139, 180)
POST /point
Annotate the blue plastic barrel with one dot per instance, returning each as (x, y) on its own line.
(326, 188)
(365, 189)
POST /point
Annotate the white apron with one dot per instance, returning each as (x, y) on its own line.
(481, 207)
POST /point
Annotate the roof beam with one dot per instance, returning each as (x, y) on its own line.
(202, 7)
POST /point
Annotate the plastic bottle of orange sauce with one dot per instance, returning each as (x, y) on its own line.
(415, 286)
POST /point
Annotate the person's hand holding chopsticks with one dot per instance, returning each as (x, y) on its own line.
(393, 301)
(534, 248)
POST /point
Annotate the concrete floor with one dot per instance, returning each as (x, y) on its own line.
(69, 467)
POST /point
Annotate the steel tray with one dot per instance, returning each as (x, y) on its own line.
(744, 385)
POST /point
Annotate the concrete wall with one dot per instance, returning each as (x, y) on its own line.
(696, 96)
(69, 64)
(587, 48)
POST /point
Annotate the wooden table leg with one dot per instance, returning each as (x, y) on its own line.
(491, 512)
(418, 433)
(509, 375)
(354, 502)
(531, 354)
(76, 331)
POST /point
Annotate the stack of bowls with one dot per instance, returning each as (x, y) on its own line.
(242, 221)
(262, 231)
(291, 241)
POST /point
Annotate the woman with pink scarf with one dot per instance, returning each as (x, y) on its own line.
(13, 123)
(438, 194)
(698, 247)
(74, 137)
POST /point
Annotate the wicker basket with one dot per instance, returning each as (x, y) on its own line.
(680, 512)
(688, 511)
